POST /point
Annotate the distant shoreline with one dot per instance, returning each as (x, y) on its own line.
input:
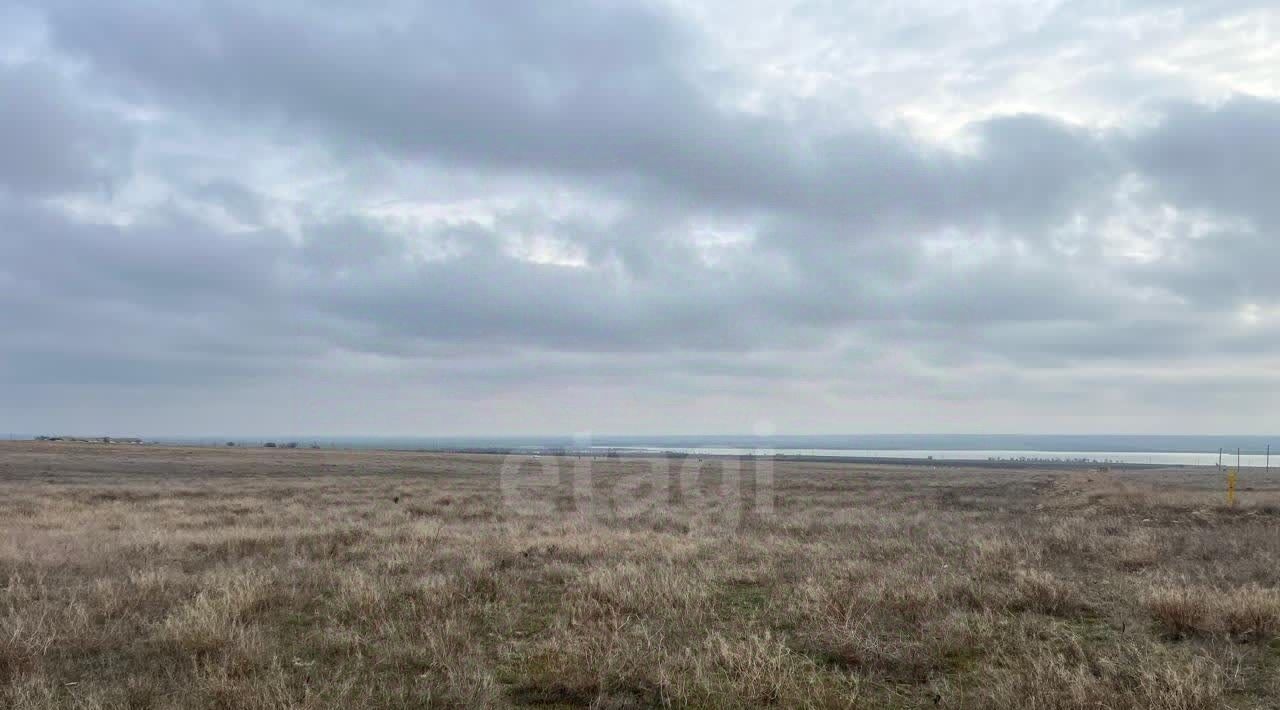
(903, 461)
(861, 460)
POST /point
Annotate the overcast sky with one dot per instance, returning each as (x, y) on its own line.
(683, 216)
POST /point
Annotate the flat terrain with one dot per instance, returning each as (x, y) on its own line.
(139, 577)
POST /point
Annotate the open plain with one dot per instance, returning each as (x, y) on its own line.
(165, 577)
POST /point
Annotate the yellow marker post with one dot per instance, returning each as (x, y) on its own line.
(1231, 485)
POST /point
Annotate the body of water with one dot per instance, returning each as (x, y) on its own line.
(1163, 458)
(1184, 450)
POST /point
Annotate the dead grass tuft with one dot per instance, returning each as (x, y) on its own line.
(173, 578)
(1183, 611)
(1251, 612)
(1128, 676)
(1247, 613)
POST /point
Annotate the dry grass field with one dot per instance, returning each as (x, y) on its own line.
(147, 577)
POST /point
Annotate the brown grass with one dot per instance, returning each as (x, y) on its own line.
(190, 578)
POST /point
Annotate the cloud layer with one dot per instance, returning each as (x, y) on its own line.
(494, 217)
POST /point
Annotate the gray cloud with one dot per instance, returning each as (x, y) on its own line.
(52, 141)
(584, 90)
(1223, 158)
(489, 201)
